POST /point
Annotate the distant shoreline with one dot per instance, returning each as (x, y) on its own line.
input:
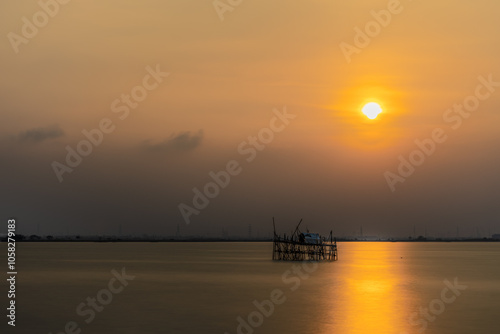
(111, 239)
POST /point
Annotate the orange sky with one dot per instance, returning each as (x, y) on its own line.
(225, 79)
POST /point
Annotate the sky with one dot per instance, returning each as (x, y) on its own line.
(266, 95)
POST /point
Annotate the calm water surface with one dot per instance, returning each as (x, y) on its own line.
(198, 288)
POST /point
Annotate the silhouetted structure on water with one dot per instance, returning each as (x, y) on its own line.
(304, 246)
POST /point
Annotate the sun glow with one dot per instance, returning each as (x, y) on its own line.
(371, 110)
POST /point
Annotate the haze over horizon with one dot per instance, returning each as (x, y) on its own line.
(210, 87)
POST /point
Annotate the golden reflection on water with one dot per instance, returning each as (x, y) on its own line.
(369, 298)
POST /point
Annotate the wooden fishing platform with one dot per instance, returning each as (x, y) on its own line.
(304, 246)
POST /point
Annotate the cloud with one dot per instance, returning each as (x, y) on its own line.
(182, 142)
(38, 135)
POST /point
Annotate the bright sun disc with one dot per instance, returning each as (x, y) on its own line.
(371, 110)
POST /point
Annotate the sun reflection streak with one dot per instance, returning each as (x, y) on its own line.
(369, 299)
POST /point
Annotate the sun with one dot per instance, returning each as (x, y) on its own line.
(371, 110)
